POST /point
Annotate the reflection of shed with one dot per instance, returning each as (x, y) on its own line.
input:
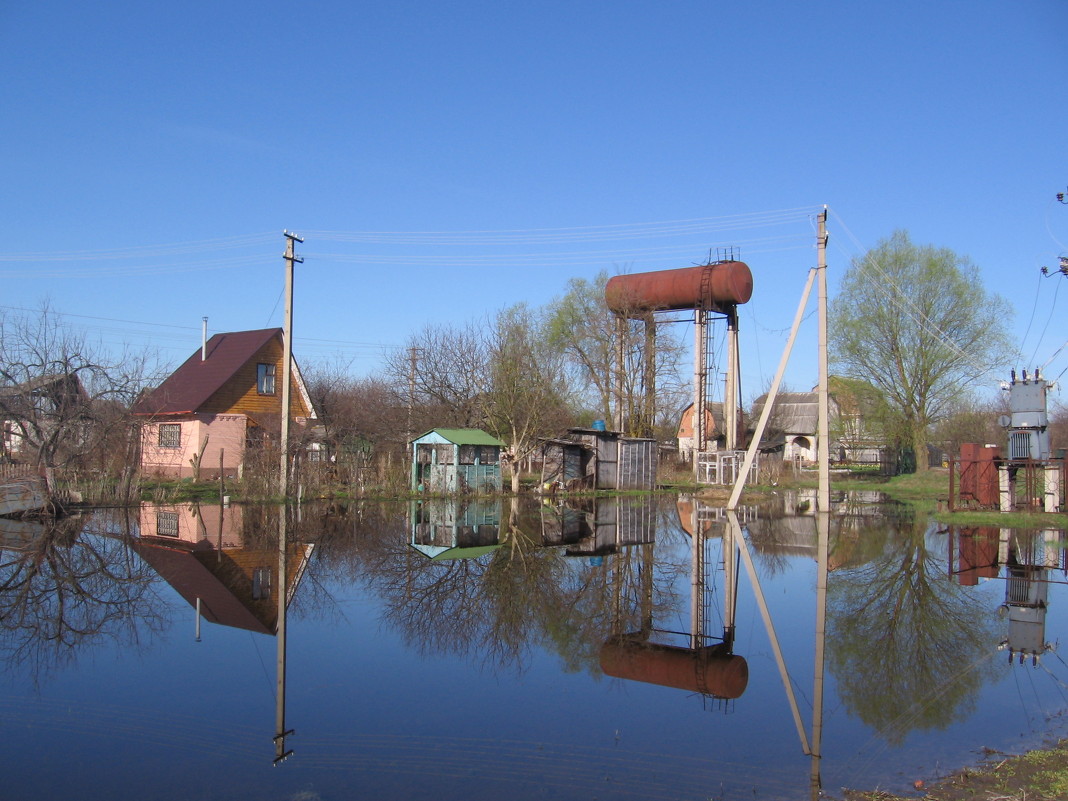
(455, 531)
(447, 461)
(599, 527)
(712, 670)
(595, 459)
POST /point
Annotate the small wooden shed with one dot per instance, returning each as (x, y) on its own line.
(451, 461)
(591, 458)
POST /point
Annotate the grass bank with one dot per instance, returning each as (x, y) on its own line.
(1035, 776)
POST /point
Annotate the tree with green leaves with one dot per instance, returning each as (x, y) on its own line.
(526, 397)
(915, 322)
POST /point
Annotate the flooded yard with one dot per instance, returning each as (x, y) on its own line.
(580, 649)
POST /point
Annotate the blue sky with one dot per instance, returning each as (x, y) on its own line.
(154, 153)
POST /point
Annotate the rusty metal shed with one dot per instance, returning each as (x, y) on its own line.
(590, 458)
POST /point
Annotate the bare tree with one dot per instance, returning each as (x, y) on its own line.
(593, 338)
(451, 377)
(63, 399)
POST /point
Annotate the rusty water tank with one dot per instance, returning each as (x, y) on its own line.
(708, 286)
(709, 671)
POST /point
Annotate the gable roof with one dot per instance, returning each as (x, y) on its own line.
(191, 385)
(464, 436)
(794, 412)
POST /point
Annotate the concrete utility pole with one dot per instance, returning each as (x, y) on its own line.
(823, 437)
(287, 356)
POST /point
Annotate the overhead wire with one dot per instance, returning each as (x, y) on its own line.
(518, 248)
(900, 300)
(1045, 328)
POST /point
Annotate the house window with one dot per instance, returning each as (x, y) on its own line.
(261, 584)
(170, 435)
(265, 379)
(167, 524)
(491, 454)
(468, 453)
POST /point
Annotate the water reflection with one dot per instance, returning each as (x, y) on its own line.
(1030, 561)
(62, 590)
(585, 619)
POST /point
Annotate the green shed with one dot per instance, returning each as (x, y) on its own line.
(452, 461)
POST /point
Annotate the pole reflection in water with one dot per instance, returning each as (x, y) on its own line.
(811, 747)
(823, 525)
(280, 730)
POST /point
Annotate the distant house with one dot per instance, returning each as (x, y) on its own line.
(48, 406)
(447, 461)
(715, 431)
(793, 423)
(592, 458)
(222, 403)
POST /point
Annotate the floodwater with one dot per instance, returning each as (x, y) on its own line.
(617, 648)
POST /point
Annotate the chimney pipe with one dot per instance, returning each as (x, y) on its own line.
(204, 340)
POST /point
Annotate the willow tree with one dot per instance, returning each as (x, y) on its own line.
(916, 322)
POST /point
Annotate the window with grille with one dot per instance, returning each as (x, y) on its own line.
(167, 524)
(170, 435)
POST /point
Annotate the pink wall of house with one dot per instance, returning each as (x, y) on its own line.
(206, 524)
(213, 434)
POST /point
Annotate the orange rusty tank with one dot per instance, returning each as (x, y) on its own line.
(707, 286)
(709, 671)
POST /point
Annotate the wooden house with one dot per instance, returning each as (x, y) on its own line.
(450, 461)
(41, 409)
(223, 402)
(592, 458)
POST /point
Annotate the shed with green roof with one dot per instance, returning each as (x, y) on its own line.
(452, 461)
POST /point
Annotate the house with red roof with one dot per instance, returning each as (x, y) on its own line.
(218, 407)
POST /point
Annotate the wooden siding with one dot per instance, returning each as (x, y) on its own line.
(240, 395)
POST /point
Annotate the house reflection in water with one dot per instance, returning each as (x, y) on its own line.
(1030, 561)
(455, 529)
(221, 561)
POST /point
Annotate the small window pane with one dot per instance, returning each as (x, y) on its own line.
(261, 583)
(468, 454)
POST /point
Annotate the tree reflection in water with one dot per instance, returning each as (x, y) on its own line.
(909, 649)
(63, 589)
(513, 600)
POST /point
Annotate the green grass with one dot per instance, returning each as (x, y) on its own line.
(1040, 775)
